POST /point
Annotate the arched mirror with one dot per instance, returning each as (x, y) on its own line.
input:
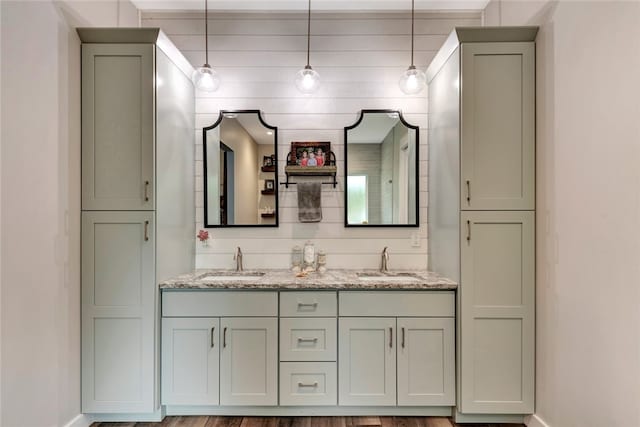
(381, 167)
(240, 171)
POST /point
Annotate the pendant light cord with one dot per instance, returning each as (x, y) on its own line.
(412, 24)
(206, 32)
(309, 31)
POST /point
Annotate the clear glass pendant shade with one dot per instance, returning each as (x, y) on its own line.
(307, 80)
(412, 81)
(205, 79)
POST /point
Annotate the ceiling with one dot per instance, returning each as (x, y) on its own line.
(316, 5)
(373, 129)
(254, 127)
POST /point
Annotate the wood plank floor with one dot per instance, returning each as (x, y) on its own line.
(214, 421)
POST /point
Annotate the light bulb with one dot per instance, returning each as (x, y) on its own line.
(307, 80)
(412, 81)
(205, 79)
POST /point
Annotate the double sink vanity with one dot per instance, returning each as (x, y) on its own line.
(333, 344)
(157, 341)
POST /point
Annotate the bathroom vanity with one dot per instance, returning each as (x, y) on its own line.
(343, 343)
(347, 342)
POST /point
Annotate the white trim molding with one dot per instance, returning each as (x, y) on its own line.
(535, 421)
(80, 420)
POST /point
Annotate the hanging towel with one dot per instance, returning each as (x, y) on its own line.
(309, 201)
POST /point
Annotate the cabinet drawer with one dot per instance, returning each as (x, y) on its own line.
(219, 304)
(308, 384)
(308, 339)
(308, 304)
(398, 303)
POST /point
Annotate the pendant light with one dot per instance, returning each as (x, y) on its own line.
(413, 80)
(308, 79)
(205, 78)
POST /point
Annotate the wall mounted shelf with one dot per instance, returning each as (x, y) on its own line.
(330, 171)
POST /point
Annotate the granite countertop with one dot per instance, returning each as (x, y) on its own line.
(332, 279)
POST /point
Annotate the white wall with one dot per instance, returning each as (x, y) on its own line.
(360, 58)
(40, 208)
(1, 220)
(245, 179)
(588, 209)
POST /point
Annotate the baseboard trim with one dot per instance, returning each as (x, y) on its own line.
(80, 420)
(154, 417)
(535, 421)
(488, 418)
(292, 411)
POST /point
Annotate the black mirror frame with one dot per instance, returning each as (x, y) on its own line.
(204, 170)
(346, 170)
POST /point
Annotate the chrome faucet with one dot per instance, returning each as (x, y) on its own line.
(384, 264)
(238, 259)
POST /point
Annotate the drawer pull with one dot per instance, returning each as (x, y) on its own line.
(146, 231)
(403, 337)
(146, 191)
(391, 337)
(307, 304)
(315, 384)
(224, 337)
(212, 329)
(301, 339)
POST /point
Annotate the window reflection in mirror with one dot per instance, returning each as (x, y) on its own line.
(381, 152)
(240, 179)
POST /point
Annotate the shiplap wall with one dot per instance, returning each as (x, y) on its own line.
(360, 58)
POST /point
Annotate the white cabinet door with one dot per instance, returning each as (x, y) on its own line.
(497, 292)
(118, 312)
(367, 361)
(117, 126)
(249, 361)
(426, 368)
(498, 126)
(190, 361)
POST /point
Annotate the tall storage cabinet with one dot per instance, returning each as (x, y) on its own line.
(482, 215)
(137, 209)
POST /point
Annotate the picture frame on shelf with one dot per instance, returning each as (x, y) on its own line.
(267, 161)
(310, 154)
(269, 184)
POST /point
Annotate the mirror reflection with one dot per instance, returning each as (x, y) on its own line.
(240, 179)
(381, 153)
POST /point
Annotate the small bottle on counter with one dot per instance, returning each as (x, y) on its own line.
(322, 262)
(296, 259)
(309, 256)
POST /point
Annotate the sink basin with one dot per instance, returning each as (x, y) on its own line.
(231, 276)
(388, 277)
